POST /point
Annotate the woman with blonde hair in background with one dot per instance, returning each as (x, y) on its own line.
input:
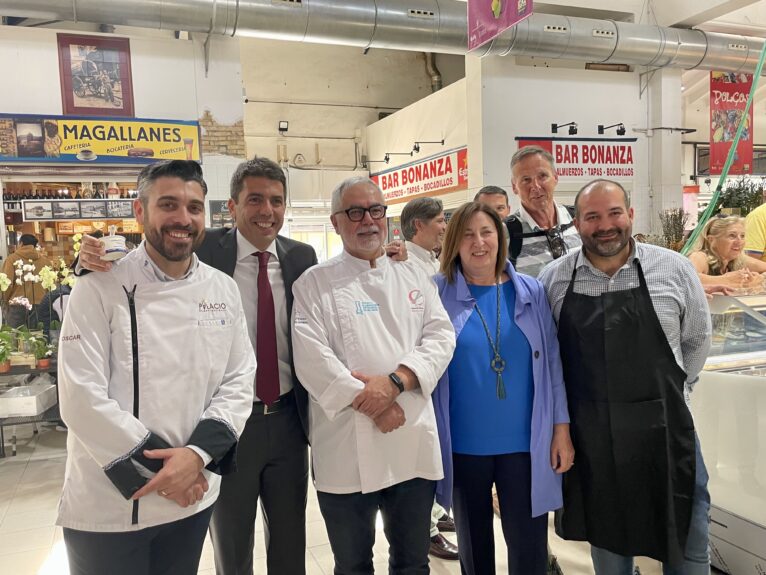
(719, 256)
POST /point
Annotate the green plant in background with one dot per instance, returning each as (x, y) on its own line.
(673, 223)
(7, 339)
(743, 193)
(40, 347)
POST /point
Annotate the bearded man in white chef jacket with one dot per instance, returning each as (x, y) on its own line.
(156, 378)
(370, 341)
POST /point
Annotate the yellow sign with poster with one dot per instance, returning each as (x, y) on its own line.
(67, 139)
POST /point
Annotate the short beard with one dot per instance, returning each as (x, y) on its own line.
(156, 242)
(610, 249)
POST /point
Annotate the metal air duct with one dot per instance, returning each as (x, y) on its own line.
(419, 25)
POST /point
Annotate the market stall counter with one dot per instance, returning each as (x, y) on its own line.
(729, 407)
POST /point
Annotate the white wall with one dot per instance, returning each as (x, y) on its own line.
(442, 115)
(328, 95)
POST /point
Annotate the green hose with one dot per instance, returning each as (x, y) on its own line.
(729, 159)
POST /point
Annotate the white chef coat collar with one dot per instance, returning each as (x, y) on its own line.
(363, 265)
(153, 271)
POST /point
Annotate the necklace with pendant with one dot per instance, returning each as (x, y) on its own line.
(497, 363)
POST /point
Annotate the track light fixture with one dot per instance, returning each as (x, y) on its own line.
(416, 145)
(620, 128)
(366, 163)
(389, 154)
(572, 128)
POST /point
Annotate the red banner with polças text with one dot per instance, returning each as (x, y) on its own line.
(728, 96)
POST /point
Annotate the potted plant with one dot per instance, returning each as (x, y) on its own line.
(6, 346)
(22, 336)
(743, 194)
(42, 350)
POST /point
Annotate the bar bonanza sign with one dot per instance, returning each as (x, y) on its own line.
(588, 158)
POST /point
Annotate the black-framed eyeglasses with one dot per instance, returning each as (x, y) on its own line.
(377, 212)
(556, 243)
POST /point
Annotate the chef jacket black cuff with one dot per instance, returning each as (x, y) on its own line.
(216, 438)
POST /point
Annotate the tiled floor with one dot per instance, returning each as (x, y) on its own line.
(30, 543)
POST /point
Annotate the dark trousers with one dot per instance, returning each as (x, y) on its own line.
(406, 511)
(272, 467)
(169, 549)
(525, 536)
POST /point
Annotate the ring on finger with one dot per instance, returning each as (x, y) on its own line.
(163, 493)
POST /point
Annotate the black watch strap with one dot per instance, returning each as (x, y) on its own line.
(397, 381)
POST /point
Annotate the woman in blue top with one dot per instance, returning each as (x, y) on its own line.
(501, 406)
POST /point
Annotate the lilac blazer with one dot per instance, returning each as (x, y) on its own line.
(534, 318)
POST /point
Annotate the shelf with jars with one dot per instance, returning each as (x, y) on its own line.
(55, 211)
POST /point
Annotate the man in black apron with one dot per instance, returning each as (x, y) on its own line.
(634, 330)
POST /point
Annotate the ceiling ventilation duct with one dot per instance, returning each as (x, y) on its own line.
(417, 25)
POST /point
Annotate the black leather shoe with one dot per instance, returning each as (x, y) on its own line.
(446, 524)
(443, 548)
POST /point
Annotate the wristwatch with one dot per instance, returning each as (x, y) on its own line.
(397, 381)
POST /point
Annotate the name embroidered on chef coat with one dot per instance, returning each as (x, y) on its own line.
(213, 314)
(363, 307)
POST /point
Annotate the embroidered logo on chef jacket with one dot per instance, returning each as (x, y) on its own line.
(417, 300)
(213, 314)
(363, 307)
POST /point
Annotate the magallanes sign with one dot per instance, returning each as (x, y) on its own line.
(65, 139)
(588, 158)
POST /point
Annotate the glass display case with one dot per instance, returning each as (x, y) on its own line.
(729, 406)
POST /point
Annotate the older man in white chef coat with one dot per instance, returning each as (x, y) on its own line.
(370, 340)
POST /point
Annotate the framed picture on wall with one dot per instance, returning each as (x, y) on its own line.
(64, 228)
(95, 75)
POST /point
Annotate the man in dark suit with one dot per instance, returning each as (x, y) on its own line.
(272, 456)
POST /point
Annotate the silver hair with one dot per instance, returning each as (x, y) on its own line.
(423, 209)
(337, 194)
(527, 151)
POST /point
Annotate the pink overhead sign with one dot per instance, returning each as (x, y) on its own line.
(487, 19)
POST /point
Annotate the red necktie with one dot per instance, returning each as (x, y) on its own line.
(267, 373)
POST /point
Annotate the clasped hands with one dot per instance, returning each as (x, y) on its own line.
(377, 401)
(180, 479)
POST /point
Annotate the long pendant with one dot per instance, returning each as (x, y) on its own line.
(497, 363)
(498, 366)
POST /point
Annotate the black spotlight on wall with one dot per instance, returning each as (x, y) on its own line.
(620, 128)
(416, 145)
(572, 128)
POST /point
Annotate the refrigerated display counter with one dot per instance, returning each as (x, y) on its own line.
(729, 407)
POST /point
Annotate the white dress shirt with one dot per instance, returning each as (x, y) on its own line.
(426, 259)
(246, 276)
(349, 317)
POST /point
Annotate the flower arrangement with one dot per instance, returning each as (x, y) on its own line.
(77, 239)
(22, 301)
(67, 278)
(5, 282)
